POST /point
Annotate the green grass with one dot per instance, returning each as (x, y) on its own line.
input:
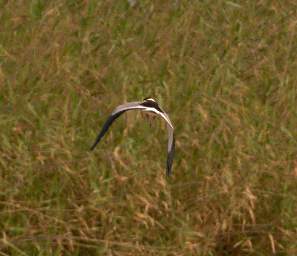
(226, 73)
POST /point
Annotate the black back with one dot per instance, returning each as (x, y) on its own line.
(151, 104)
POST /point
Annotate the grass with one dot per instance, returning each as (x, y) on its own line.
(226, 73)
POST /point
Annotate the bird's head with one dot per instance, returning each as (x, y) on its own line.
(151, 103)
(149, 99)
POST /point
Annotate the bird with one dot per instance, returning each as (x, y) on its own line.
(148, 105)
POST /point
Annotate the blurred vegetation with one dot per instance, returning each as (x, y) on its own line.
(226, 74)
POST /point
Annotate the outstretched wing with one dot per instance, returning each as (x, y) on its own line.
(114, 115)
(170, 149)
(171, 141)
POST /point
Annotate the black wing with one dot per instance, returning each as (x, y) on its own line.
(115, 114)
(171, 150)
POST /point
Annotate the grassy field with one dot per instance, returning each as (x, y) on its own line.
(226, 72)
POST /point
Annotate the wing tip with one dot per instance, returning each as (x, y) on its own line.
(94, 145)
(169, 169)
(168, 173)
(170, 158)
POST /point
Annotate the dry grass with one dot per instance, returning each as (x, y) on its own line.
(226, 73)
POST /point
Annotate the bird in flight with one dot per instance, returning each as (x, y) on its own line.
(147, 105)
